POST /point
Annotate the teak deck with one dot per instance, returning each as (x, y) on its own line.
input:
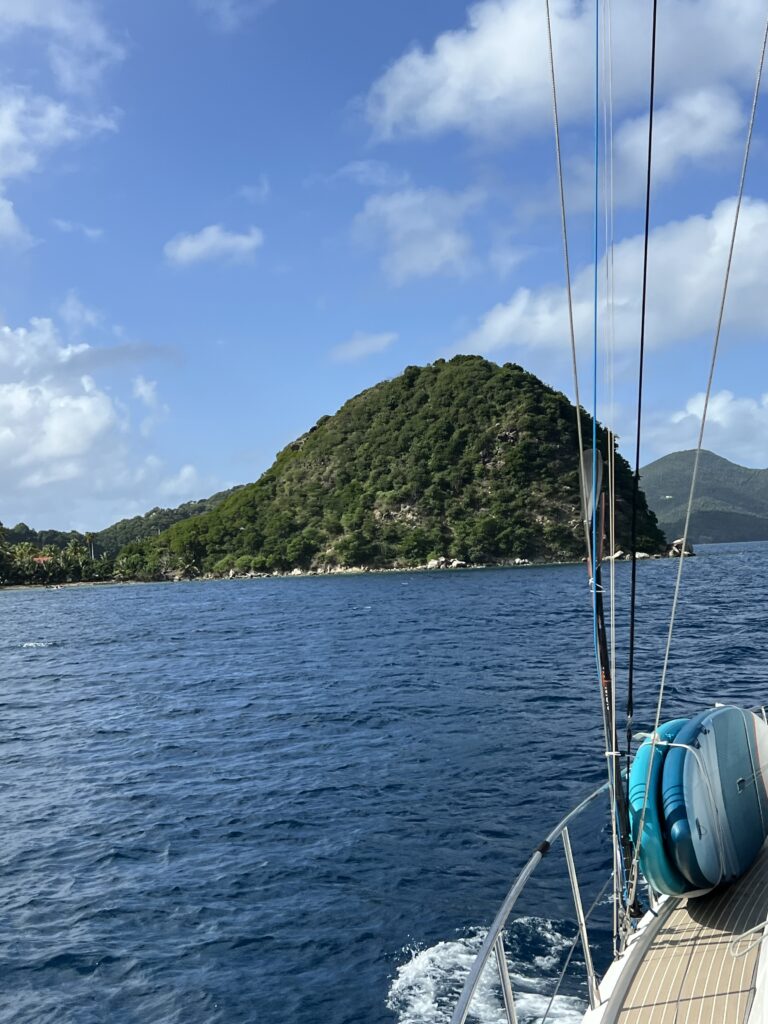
(690, 975)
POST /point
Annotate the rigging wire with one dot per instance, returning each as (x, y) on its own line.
(636, 479)
(710, 380)
(568, 286)
(589, 536)
(608, 204)
(595, 276)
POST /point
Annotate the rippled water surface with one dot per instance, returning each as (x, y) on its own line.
(300, 800)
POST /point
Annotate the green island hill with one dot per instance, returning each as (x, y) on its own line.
(459, 462)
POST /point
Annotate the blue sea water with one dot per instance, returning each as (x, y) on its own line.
(301, 800)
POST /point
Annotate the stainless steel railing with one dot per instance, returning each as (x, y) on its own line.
(494, 940)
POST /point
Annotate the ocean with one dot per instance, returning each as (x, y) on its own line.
(302, 800)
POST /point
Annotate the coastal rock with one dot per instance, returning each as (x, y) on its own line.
(433, 563)
(676, 548)
(456, 563)
(615, 556)
(296, 572)
(642, 554)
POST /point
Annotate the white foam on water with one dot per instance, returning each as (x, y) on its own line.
(38, 643)
(426, 988)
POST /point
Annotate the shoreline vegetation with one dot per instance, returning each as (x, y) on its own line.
(462, 462)
(434, 565)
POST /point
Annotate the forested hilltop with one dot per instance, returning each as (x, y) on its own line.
(461, 459)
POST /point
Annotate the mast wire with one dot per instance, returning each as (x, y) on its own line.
(619, 878)
(568, 286)
(636, 479)
(691, 494)
(574, 358)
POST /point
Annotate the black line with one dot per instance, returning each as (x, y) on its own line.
(636, 482)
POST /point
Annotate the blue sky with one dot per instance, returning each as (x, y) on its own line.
(219, 219)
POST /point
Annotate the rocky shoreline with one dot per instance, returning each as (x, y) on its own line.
(441, 564)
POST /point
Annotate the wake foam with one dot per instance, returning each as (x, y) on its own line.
(425, 988)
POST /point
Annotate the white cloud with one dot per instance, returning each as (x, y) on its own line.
(505, 257)
(76, 315)
(31, 125)
(686, 269)
(373, 174)
(229, 15)
(78, 48)
(258, 192)
(79, 45)
(69, 456)
(694, 126)
(361, 345)
(146, 391)
(183, 485)
(69, 227)
(34, 352)
(12, 231)
(213, 242)
(420, 230)
(736, 428)
(492, 76)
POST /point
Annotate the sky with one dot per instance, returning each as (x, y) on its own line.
(220, 219)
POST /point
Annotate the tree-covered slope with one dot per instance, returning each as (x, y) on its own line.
(731, 502)
(110, 540)
(463, 458)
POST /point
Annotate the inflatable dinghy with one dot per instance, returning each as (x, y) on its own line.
(655, 862)
(715, 803)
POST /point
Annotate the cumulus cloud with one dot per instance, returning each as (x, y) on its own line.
(420, 231)
(492, 76)
(361, 345)
(50, 419)
(736, 428)
(35, 352)
(212, 243)
(66, 442)
(686, 269)
(694, 126)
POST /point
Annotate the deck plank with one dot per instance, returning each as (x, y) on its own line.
(690, 975)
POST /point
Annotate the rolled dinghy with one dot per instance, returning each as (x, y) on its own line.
(655, 861)
(714, 796)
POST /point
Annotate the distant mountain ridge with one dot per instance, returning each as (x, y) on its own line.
(731, 502)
